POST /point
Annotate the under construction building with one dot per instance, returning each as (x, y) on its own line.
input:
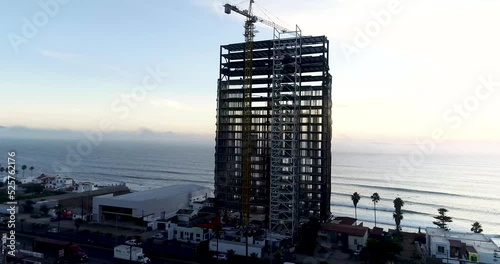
(291, 128)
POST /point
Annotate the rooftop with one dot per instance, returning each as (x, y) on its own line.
(164, 192)
(480, 242)
(455, 243)
(185, 211)
(432, 231)
(377, 231)
(345, 220)
(470, 249)
(358, 231)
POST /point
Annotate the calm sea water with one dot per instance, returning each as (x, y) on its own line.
(467, 185)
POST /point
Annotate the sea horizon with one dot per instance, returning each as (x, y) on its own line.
(145, 165)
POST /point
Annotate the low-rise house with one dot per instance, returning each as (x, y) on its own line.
(174, 231)
(457, 247)
(344, 236)
(209, 202)
(184, 215)
(43, 179)
(59, 183)
(85, 187)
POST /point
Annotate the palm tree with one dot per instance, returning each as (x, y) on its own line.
(59, 210)
(476, 228)
(398, 214)
(375, 198)
(355, 199)
(24, 167)
(217, 230)
(31, 170)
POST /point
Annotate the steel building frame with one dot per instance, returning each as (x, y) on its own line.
(312, 144)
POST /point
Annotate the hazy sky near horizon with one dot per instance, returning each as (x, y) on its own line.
(401, 69)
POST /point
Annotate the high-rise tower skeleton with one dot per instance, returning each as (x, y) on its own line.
(290, 129)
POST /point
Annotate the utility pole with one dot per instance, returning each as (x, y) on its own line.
(116, 230)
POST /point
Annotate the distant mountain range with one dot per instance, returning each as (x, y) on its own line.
(22, 132)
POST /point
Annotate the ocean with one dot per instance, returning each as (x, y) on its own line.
(467, 185)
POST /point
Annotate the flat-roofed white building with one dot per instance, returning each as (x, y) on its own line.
(457, 247)
(147, 206)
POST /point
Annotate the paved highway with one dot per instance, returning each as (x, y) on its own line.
(96, 254)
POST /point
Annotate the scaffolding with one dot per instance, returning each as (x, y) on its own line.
(285, 125)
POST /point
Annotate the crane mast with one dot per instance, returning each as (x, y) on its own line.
(247, 115)
(284, 122)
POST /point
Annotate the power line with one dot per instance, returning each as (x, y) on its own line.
(271, 14)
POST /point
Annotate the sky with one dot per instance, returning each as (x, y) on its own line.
(402, 69)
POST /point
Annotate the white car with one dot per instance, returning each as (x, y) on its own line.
(132, 242)
(53, 230)
(220, 256)
(158, 236)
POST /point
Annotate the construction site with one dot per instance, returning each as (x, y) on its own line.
(274, 127)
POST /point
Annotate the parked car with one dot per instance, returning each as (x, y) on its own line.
(53, 230)
(158, 236)
(133, 242)
(220, 256)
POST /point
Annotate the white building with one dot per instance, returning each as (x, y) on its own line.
(346, 236)
(455, 247)
(85, 187)
(151, 205)
(59, 183)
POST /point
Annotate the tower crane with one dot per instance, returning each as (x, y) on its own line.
(247, 99)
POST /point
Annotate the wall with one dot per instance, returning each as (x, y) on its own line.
(239, 248)
(361, 242)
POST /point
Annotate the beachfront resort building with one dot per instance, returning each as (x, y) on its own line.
(146, 207)
(457, 248)
(291, 130)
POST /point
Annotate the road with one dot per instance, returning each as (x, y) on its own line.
(96, 254)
